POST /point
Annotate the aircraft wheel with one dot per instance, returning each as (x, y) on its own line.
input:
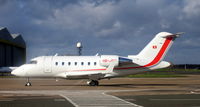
(28, 84)
(96, 82)
(93, 83)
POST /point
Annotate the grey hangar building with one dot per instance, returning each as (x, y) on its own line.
(12, 49)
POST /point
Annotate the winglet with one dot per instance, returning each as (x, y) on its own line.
(97, 54)
(56, 54)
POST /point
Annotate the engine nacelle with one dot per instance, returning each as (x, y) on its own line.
(105, 60)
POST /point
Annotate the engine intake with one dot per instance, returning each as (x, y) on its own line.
(105, 60)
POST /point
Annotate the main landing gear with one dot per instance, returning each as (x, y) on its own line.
(28, 83)
(93, 83)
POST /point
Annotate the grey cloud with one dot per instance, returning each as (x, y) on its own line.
(109, 27)
(3, 2)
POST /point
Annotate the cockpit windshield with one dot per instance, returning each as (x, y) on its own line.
(33, 62)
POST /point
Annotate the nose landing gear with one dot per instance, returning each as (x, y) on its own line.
(93, 83)
(28, 83)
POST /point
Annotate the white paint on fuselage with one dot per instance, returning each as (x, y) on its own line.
(57, 66)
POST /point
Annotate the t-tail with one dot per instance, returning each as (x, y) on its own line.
(157, 48)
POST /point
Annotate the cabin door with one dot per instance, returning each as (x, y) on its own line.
(47, 64)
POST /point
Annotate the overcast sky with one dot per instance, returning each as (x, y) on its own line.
(121, 27)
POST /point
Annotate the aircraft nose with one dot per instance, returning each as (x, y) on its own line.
(17, 72)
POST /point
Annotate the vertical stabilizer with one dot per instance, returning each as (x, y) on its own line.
(158, 47)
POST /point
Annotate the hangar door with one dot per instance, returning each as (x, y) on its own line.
(47, 64)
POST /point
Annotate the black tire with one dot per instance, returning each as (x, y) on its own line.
(96, 83)
(28, 84)
(92, 83)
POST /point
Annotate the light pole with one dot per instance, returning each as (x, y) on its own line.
(79, 47)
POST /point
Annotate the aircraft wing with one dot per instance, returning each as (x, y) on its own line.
(85, 74)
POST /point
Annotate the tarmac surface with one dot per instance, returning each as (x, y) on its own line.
(187, 100)
(117, 92)
(29, 100)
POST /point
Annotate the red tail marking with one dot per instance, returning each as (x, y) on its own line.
(157, 58)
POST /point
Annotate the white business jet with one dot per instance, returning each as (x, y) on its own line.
(94, 68)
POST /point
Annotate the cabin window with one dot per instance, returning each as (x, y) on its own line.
(69, 63)
(75, 63)
(95, 63)
(56, 63)
(82, 63)
(88, 63)
(33, 62)
(63, 63)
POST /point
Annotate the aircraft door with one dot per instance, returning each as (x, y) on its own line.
(47, 64)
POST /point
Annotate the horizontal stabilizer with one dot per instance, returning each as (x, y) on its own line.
(173, 35)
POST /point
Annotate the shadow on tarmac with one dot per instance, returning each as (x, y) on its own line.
(116, 85)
